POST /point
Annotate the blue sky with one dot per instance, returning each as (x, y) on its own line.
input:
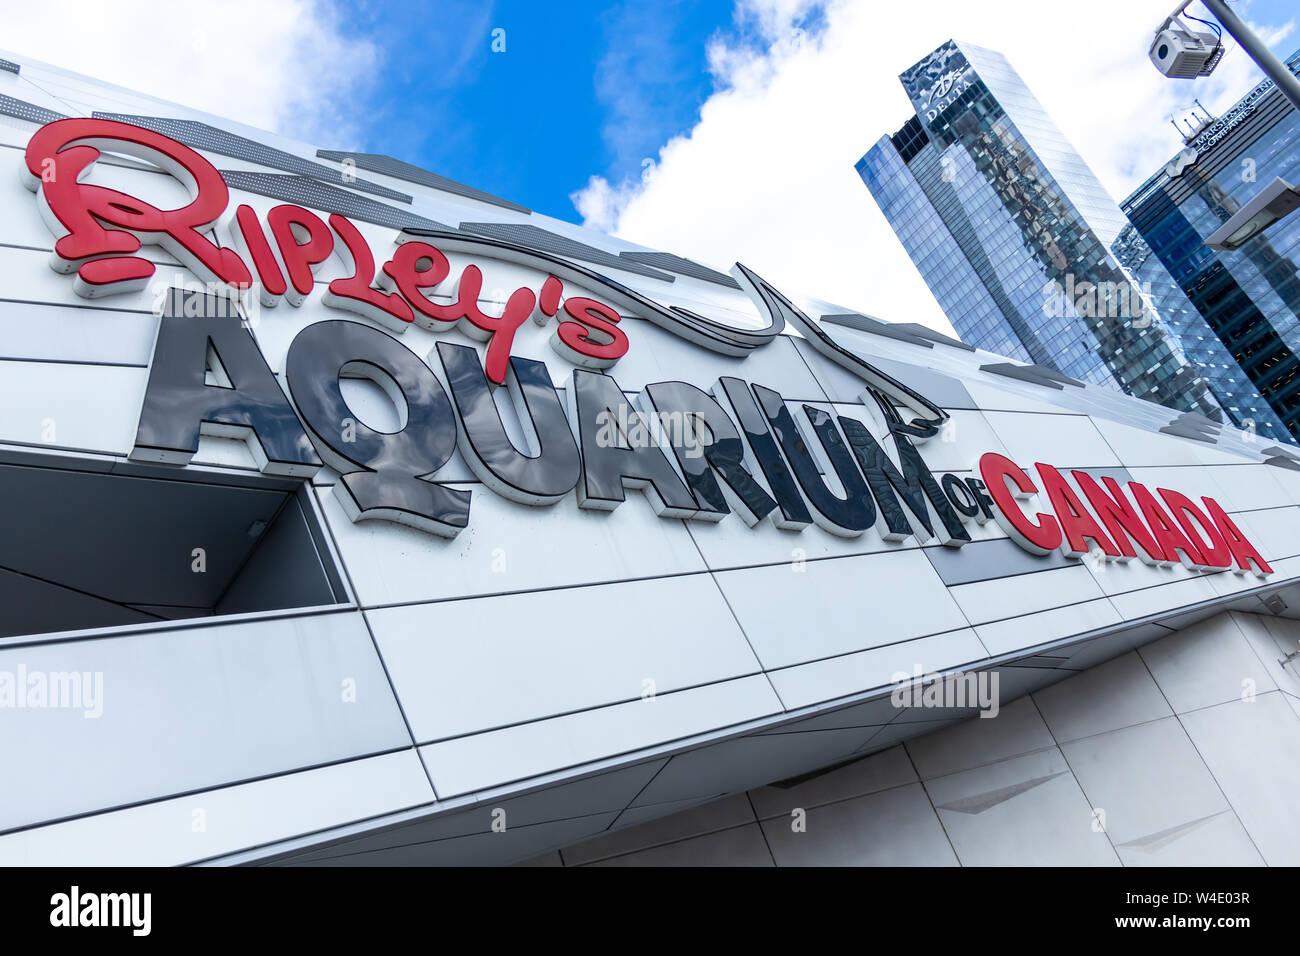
(581, 89)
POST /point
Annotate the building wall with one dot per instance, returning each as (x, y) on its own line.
(1249, 297)
(1009, 226)
(1179, 753)
(507, 668)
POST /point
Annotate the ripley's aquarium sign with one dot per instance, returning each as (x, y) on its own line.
(208, 376)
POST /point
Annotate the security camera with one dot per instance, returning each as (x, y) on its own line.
(1183, 53)
(1279, 198)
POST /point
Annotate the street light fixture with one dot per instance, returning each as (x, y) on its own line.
(1182, 53)
(1279, 198)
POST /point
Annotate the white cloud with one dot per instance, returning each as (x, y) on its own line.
(282, 65)
(767, 175)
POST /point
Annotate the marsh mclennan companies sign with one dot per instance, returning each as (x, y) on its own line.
(698, 452)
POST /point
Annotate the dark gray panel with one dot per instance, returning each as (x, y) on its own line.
(306, 500)
(672, 263)
(21, 109)
(926, 332)
(129, 540)
(379, 163)
(944, 390)
(1036, 374)
(202, 136)
(985, 560)
(526, 234)
(1279, 451)
(33, 606)
(865, 323)
(317, 195)
(1195, 427)
(9, 66)
(283, 571)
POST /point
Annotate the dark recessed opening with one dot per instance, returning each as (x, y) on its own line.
(87, 549)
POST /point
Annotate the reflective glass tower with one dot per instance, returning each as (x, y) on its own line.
(1027, 253)
(1249, 297)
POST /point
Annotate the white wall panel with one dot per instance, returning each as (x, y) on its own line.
(29, 278)
(823, 680)
(1253, 749)
(216, 822)
(1169, 597)
(56, 333)
(465, 666)
(1003, 598)
(1118, 693)
(1151, 784)
(1026, 811)
(1206, 664)
(195, 708)
(1275, 532)
(1065, 441)
(513, 753)
(895, 827)
(1250, 487)
(509, 547)
(1002, 637)
(838, 606)
(1017, 729)
(88, 407)
(1138, 447)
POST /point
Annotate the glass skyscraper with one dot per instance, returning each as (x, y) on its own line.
(1250, 297)
(1027, 253)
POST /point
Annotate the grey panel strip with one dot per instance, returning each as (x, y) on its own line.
(985, 560)
(1036, 374)
(686, 267)
(202, 136)
(944, 390)
(926, 332)
(379, 163)
(526, 234)
(1195, 427)
(1121, 475)
(9, 66)
(309, 192)
(21, 109)
(913, 332)
(1279, 451)
(864, 323)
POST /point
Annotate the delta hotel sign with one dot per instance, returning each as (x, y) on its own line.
(697, 450)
